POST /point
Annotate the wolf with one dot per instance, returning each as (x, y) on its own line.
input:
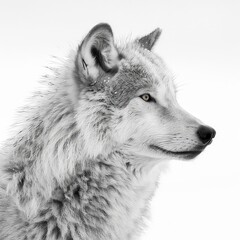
(84, 159)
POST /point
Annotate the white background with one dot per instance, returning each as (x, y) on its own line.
(200, 42)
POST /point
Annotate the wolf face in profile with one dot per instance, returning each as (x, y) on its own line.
(86, 155)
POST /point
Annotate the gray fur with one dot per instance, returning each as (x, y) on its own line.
(123, 90)
(73, 169)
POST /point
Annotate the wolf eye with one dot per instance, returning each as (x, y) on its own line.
(147, 97)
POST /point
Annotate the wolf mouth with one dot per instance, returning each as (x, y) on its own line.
(183, 154)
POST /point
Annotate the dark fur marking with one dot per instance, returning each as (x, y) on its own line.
(99, 219)
(72, 126)
(84, 64)
(96, 211)
(74, 136)
(43, 213)
(100, 201)
(119, 153)
(101, 121)
(119, 119)
(82, 217)
(102, 100)
(121, 56)
(59, 118)
(105, 165)
(56, 232)
(76, 193)
(39, 130)
(113, 189)
(15, 167)
(69, 236)
(103, 133)
(43, 227)
(128, 164)
(105, 200)
(21, 182)
(58, 205)
(87, 173)
(104, 113)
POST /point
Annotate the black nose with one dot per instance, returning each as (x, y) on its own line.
(206, 134)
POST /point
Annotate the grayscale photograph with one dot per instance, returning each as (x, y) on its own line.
(119, 120)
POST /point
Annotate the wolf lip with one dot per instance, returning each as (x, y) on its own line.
(184, 154)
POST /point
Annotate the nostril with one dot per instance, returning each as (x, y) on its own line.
(206, 134)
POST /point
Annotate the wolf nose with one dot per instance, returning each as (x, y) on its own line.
(206, 134)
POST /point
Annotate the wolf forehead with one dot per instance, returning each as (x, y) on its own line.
(140, 70)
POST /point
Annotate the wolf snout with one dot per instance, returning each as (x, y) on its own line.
(206, 134)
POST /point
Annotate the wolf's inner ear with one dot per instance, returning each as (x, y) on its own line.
(149, 40)
(97, 53)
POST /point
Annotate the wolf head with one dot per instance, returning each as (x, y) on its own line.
(127, 99)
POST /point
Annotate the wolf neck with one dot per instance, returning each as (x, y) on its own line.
(105, 198)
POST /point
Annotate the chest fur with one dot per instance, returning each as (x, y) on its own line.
(106, 202)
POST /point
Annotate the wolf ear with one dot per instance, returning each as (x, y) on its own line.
(149, 40)
(97, 53)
